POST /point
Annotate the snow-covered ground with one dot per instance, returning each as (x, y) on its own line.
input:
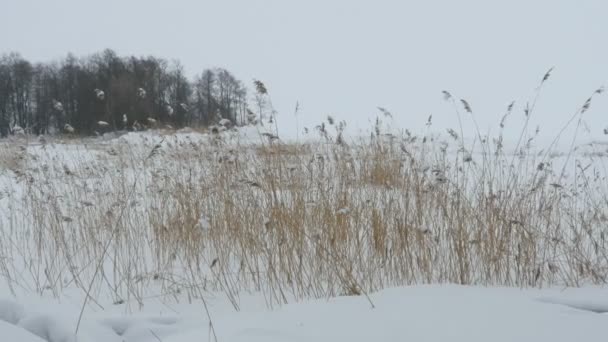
(421, 313)
(416, 313)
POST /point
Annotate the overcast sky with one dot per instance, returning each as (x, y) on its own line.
(346, 57)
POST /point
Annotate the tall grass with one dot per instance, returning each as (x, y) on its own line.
(187, 214)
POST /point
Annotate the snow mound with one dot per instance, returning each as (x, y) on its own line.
(13, 333)
(142, 329)
(48, 328)
(595, 305)
(10, 311)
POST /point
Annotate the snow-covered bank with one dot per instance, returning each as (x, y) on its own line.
(422, 313)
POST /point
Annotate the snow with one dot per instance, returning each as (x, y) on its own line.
(68, 128)
(141, 93)
(225, 122)
(47, 327)
(11, 311)
(343, 211)
(169, 110)
(11, 333)
(203, 223)
(58, 106)
(419, 313)
(415, 313)
(101, 95)
(18, 130)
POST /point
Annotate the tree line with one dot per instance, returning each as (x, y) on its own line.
(120, 93)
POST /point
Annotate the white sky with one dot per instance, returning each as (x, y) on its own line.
(345, 57)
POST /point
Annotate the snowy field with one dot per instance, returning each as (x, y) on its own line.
(138, 237)
(463, 199)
